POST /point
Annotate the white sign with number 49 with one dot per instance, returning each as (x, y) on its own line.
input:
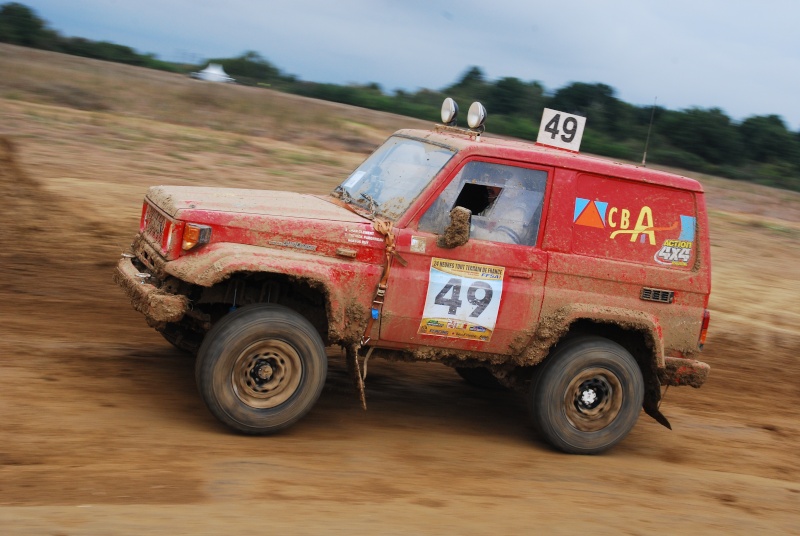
(562, 130)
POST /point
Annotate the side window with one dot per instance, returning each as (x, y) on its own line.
(505, 201)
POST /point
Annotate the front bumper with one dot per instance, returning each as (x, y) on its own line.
(155, 304)
(679, 371)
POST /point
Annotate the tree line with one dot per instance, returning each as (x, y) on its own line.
(19, 25)
(759, 149)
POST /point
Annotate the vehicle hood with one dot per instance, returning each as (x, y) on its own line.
(173, 199)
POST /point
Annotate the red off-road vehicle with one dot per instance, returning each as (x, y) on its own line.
(582, 281)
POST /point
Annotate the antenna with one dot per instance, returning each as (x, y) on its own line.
(649, 128)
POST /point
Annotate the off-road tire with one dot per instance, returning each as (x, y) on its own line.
(587, 395)
(261, 368)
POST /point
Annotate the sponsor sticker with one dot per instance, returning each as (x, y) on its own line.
(637, 226)
(362, 237)
(418, 244)
(293, 244)
(463, 300)
(674, 253)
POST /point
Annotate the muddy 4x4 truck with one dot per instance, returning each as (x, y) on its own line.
(579, 281)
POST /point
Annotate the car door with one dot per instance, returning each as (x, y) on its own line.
(484, 295)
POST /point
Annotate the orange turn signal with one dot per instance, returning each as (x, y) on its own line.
(195, 234)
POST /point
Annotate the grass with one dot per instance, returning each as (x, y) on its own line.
(778, 228)
(170, 98)
(178, 156)
(785, 229)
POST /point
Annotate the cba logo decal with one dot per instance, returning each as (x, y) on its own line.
(599, 215)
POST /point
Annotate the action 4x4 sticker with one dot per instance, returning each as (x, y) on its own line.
(463, 300)
(678, 252)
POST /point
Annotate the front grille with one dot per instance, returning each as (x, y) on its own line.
(147, 255)
(154, 224)
(657, 295)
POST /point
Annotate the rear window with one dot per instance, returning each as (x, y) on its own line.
(630, 221)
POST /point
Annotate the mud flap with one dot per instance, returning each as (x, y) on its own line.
(650, 407)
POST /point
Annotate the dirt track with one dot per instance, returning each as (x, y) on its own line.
(103, 431)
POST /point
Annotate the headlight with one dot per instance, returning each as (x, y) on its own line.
(476, 115)
(449, 112)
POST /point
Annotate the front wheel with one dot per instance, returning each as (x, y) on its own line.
(261, 368)
(587, 396)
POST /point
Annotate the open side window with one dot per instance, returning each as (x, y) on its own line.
(505, 201)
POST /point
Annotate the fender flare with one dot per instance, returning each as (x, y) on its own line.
(553, 326)
(347, 284)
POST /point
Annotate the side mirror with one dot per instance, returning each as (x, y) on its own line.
(457, 231)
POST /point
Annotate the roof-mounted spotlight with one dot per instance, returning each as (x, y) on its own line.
(449, 112)
(476, 116)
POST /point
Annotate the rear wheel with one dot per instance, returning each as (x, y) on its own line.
(261, 368)
(587, 396)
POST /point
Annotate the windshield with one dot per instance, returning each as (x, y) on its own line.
(393, 176)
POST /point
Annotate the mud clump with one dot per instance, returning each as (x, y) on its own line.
(457, 233)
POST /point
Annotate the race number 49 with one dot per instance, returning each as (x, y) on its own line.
(462, 300)
(450, 295)
(562, 130)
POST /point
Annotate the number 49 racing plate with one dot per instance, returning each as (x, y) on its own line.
(463, 300)
(562, 130)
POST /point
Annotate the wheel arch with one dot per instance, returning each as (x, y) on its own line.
(305, 296)
(333, 294)
(638, 333)
(643, 345)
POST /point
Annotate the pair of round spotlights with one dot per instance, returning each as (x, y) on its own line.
(476, 116)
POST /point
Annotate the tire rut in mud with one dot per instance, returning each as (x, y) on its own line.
(45, 245)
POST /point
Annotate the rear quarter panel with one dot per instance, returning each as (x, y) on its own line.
(610, 237)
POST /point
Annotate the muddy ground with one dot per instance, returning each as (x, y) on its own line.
(102, 430)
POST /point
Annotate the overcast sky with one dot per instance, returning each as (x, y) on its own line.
(737, 55)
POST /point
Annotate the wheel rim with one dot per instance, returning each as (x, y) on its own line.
(593, 399)
(266, 374)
